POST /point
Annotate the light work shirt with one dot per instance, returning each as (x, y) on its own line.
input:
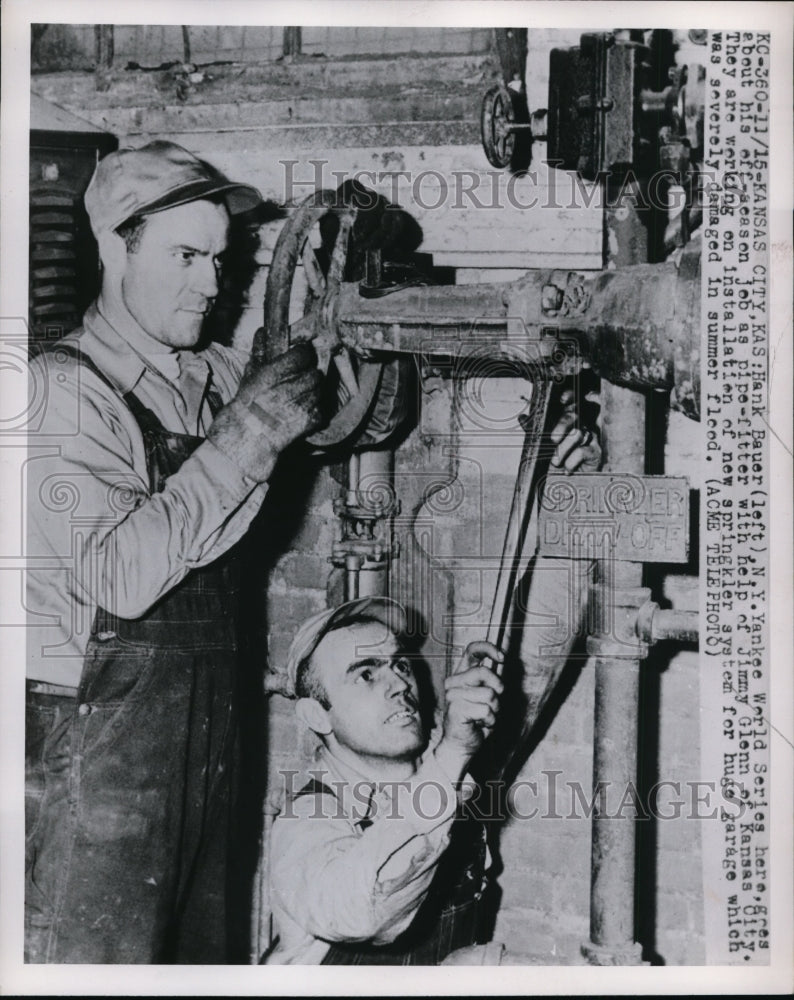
(355, 865)
(95, 534)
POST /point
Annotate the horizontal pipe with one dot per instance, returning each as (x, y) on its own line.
(670, 624)
(637, 326)
(655, 623)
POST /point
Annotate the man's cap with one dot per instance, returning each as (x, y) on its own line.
(153, 178)
(379, 609)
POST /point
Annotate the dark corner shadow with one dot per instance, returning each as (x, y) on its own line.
(648, 767)
(508, 754)
(646, 868)
(285, 509)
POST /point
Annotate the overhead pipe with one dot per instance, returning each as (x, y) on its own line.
(637, 326)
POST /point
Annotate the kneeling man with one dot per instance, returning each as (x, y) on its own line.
(374, 860)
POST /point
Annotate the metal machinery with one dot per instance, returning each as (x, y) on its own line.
(64, 265)
(625, 114)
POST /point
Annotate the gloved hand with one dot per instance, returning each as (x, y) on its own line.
(275, 405)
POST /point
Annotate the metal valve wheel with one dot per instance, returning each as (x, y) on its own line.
(364, 399)
(504, 125)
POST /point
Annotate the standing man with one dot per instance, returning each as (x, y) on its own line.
(151, 460)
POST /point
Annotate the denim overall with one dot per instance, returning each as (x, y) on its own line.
(129, 784)
(450, 916)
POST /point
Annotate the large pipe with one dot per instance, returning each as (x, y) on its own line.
(617, 651)
(376, 485)
(637, 326)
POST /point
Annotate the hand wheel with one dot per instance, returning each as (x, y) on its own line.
(309, 263)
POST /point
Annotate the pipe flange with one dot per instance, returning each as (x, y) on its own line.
(629, 953)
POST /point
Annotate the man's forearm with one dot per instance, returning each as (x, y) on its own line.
(186, 525)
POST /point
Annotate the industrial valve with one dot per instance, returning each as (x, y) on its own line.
(505, 127)
(606, 112)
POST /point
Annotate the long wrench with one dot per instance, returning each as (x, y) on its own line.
(533, 423)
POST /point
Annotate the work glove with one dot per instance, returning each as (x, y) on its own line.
(275, 405)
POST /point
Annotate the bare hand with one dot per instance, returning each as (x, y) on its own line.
(577, 447)
(472, 703)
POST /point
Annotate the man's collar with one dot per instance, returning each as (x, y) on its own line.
(111, 351)
(118, 345)
(352, 788)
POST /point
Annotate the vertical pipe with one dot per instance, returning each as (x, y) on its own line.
(370, 485)
(352, 561)
(353, 477)
(617, 651)
(292, 44)
(376, 483)
(187, 55)
(613, 851)
(103, 47)
(352, 571)
(617, 682)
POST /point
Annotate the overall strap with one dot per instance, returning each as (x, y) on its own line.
(145, 418)
(80, 356)
(149, 422)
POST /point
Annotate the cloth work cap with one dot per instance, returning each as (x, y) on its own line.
(380, 609)
(157, 176)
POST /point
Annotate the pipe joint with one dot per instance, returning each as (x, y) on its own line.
(605, 647)
(615, 635)
(645, 616)
(655, 623)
